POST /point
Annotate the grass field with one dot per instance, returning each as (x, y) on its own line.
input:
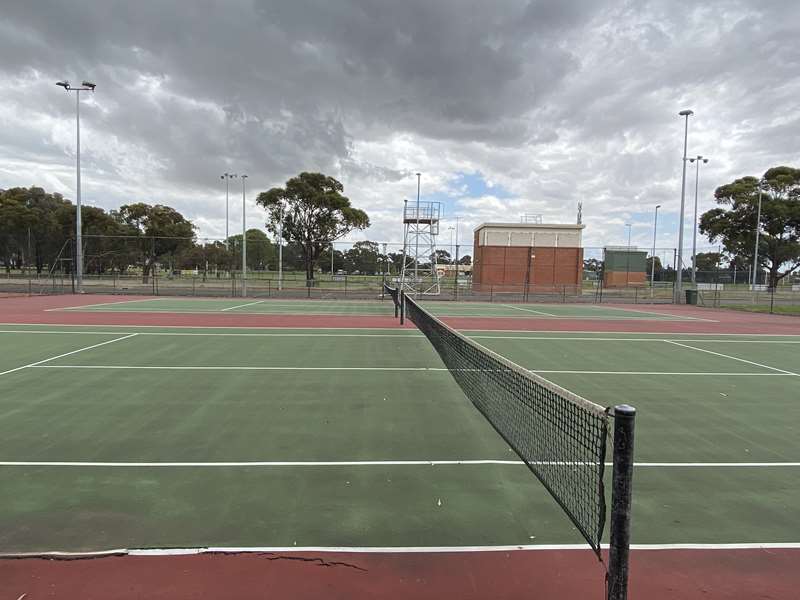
(123, 437)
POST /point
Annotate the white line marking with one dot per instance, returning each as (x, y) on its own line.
(715, 374)
(234, 368)
(41, 362)
(200, 327)
(410, 334)
(380, 463)
(242, 305)
(650, 312)
(433, 369)
(749, 362)
(530, 310)
(396, 549)
(617, 339)
(101, 304)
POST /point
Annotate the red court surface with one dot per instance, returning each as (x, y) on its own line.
(536, 574)
(35, 310)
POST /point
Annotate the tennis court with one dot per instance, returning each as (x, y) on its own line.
(122, 437)
(377, 307)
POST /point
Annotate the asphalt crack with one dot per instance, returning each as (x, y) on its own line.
(317, 560)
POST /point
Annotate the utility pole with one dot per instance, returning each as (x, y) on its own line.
(679, 267)
(86, 86)
(244, 240)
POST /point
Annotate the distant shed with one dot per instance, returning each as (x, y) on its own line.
(623, 267)
(536, 255)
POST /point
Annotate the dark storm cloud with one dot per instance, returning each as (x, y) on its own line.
(553, 100)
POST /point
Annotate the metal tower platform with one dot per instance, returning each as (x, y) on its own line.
(418, 275)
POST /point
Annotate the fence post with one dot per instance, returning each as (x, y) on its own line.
(402, 306)
(622, 484)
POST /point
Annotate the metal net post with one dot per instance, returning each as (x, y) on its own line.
(402, 306)
(622, 484)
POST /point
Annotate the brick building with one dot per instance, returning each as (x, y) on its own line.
(514, 255)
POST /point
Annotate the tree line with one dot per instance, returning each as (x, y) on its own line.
(37, 230)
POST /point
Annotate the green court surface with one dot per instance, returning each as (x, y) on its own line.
(146, 437)
(376, 307)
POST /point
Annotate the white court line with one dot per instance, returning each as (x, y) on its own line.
(41, 362)
(101, 304)
(410, 334)
(309, 332)
(749, 362)
(431, 369)
(530, 310)
(242, 305)
(616, 339)
(395, 549)
(248, 327)
(650, 312)
(377, 463)
(231, 368)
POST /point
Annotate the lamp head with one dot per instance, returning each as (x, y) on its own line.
(89, 85)
(705, 160)
(64, 84)
(686, 113)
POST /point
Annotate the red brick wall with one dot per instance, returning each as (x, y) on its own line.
(511, 265)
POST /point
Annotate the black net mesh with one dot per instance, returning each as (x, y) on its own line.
(394, 293)
(559, 435)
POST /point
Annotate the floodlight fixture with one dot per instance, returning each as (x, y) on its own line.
(64, 84)
(686, 113)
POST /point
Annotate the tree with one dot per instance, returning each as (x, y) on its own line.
(314, 214)
(592, 264)
(734, 222)
(362, 257)
(162, 232)
(649, 266)
(708, 261)
(260, 250)
(465, 260)
(442, 257)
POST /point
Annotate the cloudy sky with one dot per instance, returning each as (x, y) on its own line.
(505, 106)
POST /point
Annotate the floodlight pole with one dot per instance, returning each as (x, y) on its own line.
(416, 254)
(698, 160)
(86, 86)
(679, 267)
(758, 230)
(227, 177)
(628, 256)
(280, 250)
(244, 241)
(653, 263)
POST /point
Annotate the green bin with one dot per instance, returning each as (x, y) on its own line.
(691, 297)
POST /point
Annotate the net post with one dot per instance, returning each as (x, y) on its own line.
(402, 306)
(622, 484)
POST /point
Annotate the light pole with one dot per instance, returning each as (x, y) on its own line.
(653, 264)
(416, 259)
(628, 255)
(227, 177)
(758, 230)
(679, 267)
(244, 241)
(698, 160)
(280, 249)
(86, 86)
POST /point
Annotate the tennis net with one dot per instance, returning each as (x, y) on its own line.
(560, 436)
(394, 293)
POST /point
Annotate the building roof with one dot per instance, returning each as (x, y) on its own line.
(530, 226)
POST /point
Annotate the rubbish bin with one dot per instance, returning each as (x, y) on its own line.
(691, 297)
